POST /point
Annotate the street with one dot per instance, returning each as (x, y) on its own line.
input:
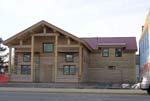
(29, 96)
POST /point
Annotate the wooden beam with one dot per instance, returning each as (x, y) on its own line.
(76, 50)
(47, 34)
(69, 46)
(10, 57)
(32, 58)
(21, 46)
(56, 56)
(80, 61)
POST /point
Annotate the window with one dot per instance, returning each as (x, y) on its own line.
(25, 69)
(118, 52)
(27, 57)
(69, 70)
(69, 57)
(105, 52)
(48, 47)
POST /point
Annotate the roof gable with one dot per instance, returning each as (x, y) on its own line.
(44, 23)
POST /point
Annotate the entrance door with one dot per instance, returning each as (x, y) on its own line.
(47, 73)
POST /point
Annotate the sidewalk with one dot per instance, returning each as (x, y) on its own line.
(69, 91)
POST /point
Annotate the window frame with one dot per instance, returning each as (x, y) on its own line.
(74, 70)
(116, 52)
(72, 58)
(69, 70)
(66, 69)
(103, 52)
(26, 72)
(46, 43)
(27, 59)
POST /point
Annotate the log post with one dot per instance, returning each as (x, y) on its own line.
(32, 58)
(10, 57)
(68, 41)
(44, 30)
(80, 61)
(56, 57)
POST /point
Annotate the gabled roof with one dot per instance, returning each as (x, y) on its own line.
(128, 42)
(30, 29)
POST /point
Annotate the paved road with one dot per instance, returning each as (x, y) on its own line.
(26, 96)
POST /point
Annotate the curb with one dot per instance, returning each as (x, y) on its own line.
(74, 91)
(118, 93)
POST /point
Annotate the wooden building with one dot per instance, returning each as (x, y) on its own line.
(46, 53)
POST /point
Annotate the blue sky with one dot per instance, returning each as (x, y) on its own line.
(83, 18)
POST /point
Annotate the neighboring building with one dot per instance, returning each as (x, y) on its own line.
(46, 53)
(144, 46)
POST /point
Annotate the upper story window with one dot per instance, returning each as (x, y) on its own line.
(27, 57)
(48, 47)
(69, 57)
(105, 52)
(118, 52)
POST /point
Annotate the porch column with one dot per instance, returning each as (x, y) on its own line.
(44, 30)
(56, 56)
(14, 61)
(10, 57)
(80, 61)
(32, 58)
(68, 41)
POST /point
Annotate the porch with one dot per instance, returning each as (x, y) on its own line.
(44, 67)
